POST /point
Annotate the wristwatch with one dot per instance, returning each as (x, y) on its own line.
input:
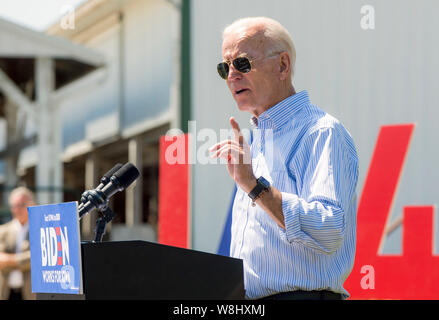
(262, 185)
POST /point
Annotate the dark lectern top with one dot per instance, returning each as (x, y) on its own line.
(146, 270)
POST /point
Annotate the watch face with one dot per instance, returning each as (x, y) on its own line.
(264, 182)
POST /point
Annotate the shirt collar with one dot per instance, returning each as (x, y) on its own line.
(281, 112)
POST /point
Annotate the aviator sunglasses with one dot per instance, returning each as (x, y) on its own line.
(242, 64)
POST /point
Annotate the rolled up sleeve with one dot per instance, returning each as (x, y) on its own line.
(315, 216)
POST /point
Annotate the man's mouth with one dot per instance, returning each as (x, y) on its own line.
(237, 92)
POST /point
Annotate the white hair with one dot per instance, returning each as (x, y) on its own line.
(22, 191)
(278, 36)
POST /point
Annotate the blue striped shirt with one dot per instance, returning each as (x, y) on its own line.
(311, 159)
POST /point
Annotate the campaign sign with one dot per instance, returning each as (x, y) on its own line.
(55, 248)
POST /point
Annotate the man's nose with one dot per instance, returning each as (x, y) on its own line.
(233, 73)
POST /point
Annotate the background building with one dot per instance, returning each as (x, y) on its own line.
(116, 113)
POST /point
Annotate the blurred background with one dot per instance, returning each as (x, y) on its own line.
(86, 84)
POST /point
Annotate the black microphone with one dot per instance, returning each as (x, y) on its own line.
(104, 181)
(98, 198)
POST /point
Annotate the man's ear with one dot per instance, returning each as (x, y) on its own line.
(284, 65)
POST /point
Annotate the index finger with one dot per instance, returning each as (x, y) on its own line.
(237, 131)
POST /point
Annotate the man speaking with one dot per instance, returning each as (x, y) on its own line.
(294, 213)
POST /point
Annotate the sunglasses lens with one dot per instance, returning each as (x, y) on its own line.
(223, 70)
(242, 64)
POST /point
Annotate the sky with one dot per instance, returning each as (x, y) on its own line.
(35, 14)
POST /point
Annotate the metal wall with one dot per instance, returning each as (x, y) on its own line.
(140, 75)
(82, 111)
(365, 78)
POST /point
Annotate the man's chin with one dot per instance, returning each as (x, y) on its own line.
(244, 106)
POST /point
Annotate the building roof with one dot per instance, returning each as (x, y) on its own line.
(20, 46)
(21, 42)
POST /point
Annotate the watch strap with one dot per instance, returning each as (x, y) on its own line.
(257, 190)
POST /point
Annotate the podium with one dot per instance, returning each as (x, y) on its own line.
(144, 270)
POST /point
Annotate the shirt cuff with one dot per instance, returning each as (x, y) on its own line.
(292, 229)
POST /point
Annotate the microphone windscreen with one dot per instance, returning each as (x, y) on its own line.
(112, 171)
(127, 174)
